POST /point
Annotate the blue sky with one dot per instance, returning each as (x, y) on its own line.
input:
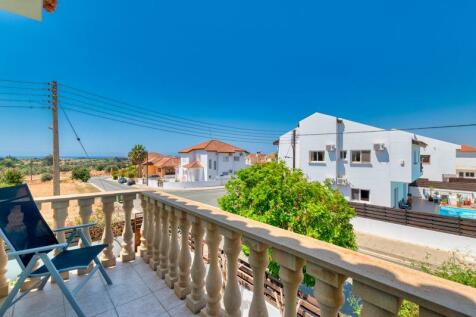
(251, 64)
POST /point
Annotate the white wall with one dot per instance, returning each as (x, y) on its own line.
(465, 162)
(393, 164)
(442, 158)
(224, 163)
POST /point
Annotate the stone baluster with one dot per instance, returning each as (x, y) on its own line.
(172, 276)
(154, 261)
(150, 229)
(214, 277)
(85, 212)
(164, 243)
(182, 286)
(259, 262)
(376, 302)
(4, 286)
(232, 294)
(291, 275)
(143, 228)
(425, 312)
(127, 250)
(60, 213)
(107, 257)
(327, 290)
(196, 300)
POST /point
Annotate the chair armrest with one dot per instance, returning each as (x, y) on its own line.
(40, 249)
(86, 225)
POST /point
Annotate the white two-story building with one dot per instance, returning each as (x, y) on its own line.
(212, 160)
(367, 164)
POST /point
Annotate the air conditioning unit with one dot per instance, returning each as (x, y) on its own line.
(342, 181)
(330, 147)
(379, 146)
(332, 180)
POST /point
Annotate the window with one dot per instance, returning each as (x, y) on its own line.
(236, 158)
(215, 165)
(469, 174)
(316, 156)
(360, 194)
(461, 174)
(210, 164)
(226, 159)
(343, 155)
(415, 157)
(425, 159)
(361, 156)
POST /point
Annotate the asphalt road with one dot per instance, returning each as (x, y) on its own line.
(205, 196)
(106, 185)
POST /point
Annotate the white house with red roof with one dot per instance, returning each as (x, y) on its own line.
(210, 161)
(466, 161)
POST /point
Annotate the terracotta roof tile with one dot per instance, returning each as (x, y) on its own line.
(467, 148)
(213, 146)
(160, 160)
(194, 164)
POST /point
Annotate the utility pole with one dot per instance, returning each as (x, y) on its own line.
(294, 148)
(56, 156)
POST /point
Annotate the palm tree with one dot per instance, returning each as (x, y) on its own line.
(137, 156)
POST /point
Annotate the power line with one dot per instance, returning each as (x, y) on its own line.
(74, 131)
(150, 127)
(162, 117)
(25, 107)
(23, 82)
(128, 114)
(448, 126)
(163, 114)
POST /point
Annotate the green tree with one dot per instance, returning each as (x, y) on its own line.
(137, 156)
(274, 194)
(48, 160)
(11, 177)
(81, 173)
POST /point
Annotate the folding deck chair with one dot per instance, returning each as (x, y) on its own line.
(30, 239)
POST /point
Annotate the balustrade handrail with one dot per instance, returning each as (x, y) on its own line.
(446, 297)
(68, 197)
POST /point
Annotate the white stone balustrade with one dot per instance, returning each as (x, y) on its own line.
(380, 284)
(196, 299)
(60, 213)
(214, 277)
(107, 257)
(144, 229)
(85, 212)
(182, 286)
(154, 261)
(127, 251)
(171, 277)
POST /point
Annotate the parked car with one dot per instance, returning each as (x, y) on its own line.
(131, 182)
(122, 180)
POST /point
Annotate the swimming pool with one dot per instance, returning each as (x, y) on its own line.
(458, 212)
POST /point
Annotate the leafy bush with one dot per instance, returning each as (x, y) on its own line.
(46, 177)
(11, 177)
(81, 173)
(274, 194)
(115, 175)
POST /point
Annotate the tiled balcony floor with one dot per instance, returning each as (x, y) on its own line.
(136, 291)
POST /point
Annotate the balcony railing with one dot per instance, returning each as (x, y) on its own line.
(169, 221)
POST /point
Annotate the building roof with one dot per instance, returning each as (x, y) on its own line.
(467, 148)
(161, 161)
(194, 164)
(419, 143)
(214, 146)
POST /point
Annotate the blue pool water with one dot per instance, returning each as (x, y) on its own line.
(458, 212)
